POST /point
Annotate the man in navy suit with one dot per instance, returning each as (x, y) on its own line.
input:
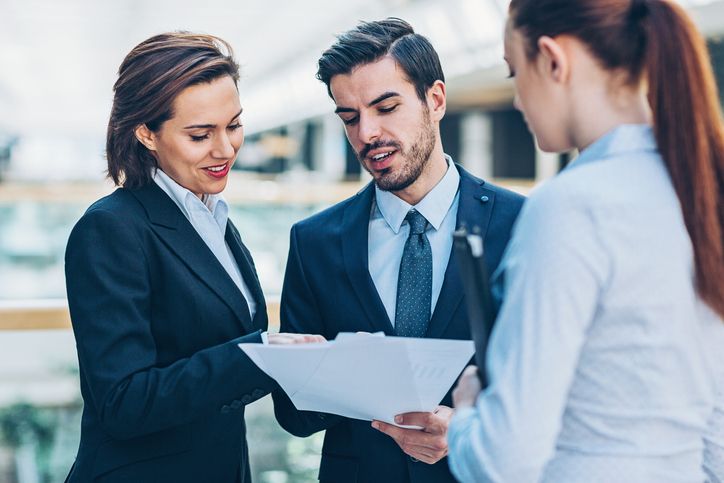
(382, 260)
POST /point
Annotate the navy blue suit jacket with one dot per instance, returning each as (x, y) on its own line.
(157, 321)
(328, 289)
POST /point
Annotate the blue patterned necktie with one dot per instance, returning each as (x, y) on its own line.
(414, 286)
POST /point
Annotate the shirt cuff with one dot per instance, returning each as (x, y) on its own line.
(461, 418)
(264, 337)
(459, 427)
(458, 435)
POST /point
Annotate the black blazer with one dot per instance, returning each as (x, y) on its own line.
(328, 289)
(157, 321)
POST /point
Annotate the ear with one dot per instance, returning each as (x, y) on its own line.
(437, 100)
(554, 57)
(146, 137)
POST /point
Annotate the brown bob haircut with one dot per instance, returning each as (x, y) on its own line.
(150, 78)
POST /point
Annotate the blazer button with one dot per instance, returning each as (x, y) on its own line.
(225, 409)
(257, 393)
(484, 199)
(246, 399)
(236, 404)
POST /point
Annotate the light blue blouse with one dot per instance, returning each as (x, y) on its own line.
(602, 361)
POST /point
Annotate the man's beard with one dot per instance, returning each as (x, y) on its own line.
(415, 159)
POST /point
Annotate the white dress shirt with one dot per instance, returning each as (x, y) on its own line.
(209, 218)
(388, 232)
(601, 363)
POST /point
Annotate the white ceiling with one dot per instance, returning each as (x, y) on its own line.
(58, 58)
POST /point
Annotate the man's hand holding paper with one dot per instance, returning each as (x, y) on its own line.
(427, 444)
(368, 377)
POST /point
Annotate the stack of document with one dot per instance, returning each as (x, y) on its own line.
(365, 376)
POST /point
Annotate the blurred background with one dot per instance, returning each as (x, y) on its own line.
(58, 62)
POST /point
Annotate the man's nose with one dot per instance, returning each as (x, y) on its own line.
(369, 130)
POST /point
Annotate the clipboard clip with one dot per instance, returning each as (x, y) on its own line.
(474, 239)
(469, 250)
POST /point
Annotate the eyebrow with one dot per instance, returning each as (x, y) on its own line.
(374, 101)
(211, 126)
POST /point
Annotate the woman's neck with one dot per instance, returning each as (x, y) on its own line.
(599, 117)
(604, 105)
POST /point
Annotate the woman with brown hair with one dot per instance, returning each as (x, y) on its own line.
(160, 286)
(606, 356)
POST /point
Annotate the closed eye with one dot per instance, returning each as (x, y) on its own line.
(199, 138)
(511, 71)
(387, 109)
(231, 127)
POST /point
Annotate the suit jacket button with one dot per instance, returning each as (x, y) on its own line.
(246, 399)
(257, 393)
(225, 409)
(236, 404)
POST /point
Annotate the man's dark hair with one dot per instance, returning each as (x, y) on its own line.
(370, 41)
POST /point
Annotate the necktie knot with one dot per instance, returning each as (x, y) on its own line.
(417, 222)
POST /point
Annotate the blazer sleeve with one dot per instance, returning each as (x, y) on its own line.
(109, 289)
(299, 314)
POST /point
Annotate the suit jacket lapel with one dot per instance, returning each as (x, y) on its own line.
(355, 230)
(248, 273)
(180, 237)
(474, 209)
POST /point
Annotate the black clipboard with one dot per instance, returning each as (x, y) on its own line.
(469, 250)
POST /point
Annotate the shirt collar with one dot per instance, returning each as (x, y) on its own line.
(186, 200)
(622, 139)
(434, 206)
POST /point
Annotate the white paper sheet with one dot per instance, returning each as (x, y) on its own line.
(365, 376)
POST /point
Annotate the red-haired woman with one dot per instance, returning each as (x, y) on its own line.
(607, 353)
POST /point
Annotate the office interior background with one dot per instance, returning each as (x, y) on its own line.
(58, 62)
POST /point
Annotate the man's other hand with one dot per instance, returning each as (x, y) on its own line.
(428, 444)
